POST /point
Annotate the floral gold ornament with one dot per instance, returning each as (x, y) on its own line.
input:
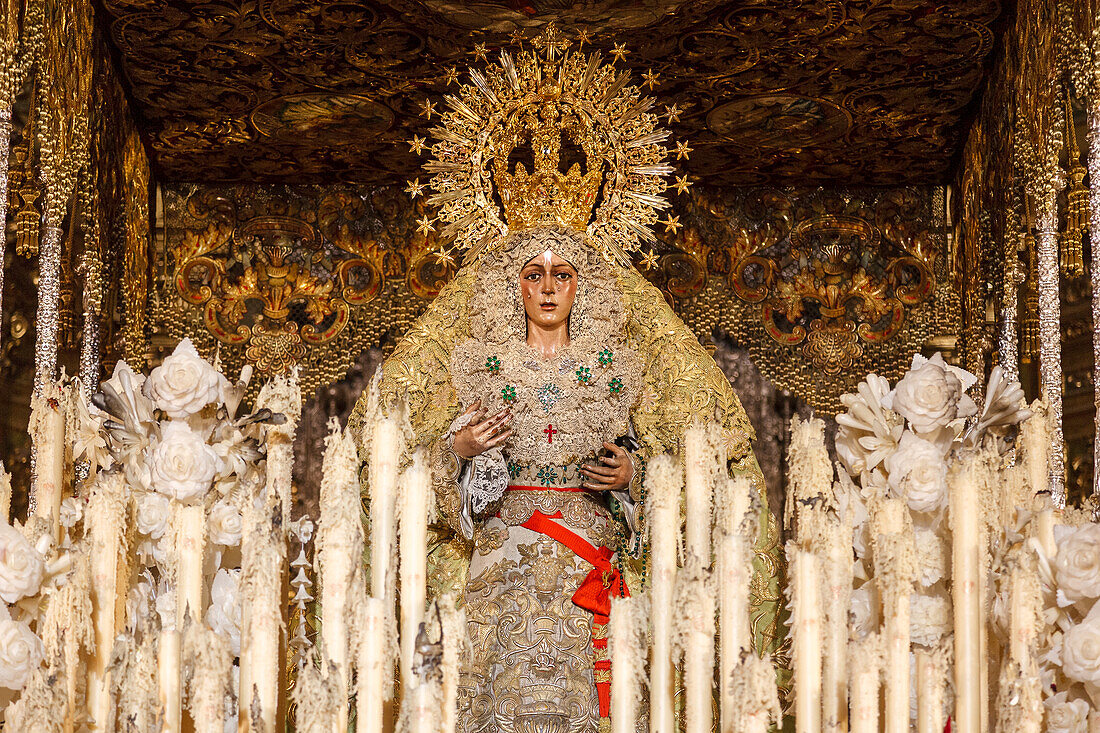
(547, 100)
(615, 386)
(584, 376)
(508, 394)
(605, 358)
(493, 365)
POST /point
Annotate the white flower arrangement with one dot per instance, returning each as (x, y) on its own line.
(178, 439)
(899, 442)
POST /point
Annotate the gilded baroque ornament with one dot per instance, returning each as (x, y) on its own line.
(295, 278)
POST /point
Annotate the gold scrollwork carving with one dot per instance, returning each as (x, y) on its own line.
(270, 286)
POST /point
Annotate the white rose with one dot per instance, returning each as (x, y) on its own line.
(225, 524)
(932, 394)
(1066, 716)
(931, 557)
(183, 465)
(21, 566)
(153, 512)
(1077, 564)
(918, 474)
(184, 383)
(1081, 649)
(224, 614)
(71, 512)
(863, 611)
(929, 620)
(21, 653)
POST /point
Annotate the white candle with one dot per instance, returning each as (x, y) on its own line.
(866, 662)
(263, 565)
(663, 497)
(752, 685)
(931, 680)
(965, 566)
(423, 712)
(339, 549)
(168, 679)
(1035, 438)
(5, 495)
(104, 520)
(806, 623)
(415, 496)
(696, 608)
(385, 452)
(895, 565)
(697, 492)
(190, 553)
(838, 576)
(48, 437)
(734, 566)
(208, 655)
(626, 662)
(281, 395)
(372, 661)
(455, 641)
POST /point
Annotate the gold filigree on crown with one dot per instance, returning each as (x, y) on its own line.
(560, 106)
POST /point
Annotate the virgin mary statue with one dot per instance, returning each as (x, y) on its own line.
(544, 376)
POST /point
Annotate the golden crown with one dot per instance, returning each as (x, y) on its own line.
(548, 106)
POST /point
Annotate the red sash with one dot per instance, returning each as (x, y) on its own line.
(603, 583)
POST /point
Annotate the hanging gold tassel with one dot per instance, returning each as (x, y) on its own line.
(27, 218)
(1077, 204)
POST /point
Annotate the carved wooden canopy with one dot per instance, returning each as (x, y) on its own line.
(779, 92)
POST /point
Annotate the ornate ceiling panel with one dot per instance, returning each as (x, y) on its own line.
(863, 92)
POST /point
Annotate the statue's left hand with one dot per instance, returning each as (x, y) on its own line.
(613, 472)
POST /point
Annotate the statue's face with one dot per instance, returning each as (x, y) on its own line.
(548, 285)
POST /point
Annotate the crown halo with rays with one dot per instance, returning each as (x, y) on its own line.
(540, 101)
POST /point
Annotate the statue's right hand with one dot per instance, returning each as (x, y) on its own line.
(483, 432)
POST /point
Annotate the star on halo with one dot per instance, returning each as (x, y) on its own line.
(450, 76)
(415, 188)
(673, 113)
(682, 184)
(427, 109)
(682, 150)
(518, 37)
(619, 51)
(443, 257)
(424, 225)
(649, 260)
(672, 223)
(480, 51)
(417, 144)
(583, 36)
(651, 79)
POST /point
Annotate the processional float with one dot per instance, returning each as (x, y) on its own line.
(929, 576)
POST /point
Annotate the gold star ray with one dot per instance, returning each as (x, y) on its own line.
(682, 150)
(652, 79)
(672, 223)
(427, 109)
(673, 113)
(480, 51)
(619, 51)
(682, 184)
(417, 144)
(424, 225)
(649, 260)
(450, 76)
(415, 188)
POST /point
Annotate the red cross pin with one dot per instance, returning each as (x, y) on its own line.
(550, 433)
